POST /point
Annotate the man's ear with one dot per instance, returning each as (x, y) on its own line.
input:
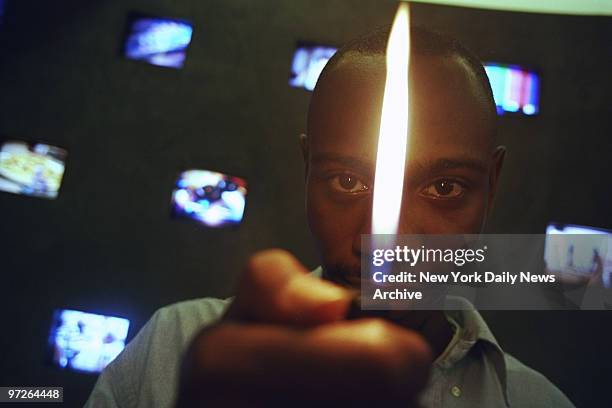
(497, 162)
(304, 147)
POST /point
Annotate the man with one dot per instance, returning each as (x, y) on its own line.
(285, 337)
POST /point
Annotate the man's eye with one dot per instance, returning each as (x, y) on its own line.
(347, 183)
(444, 189)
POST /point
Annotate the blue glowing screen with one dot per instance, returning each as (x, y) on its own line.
(515, 89)
(308, 62)
(582, 255)
(158, 41)
(86, 341)
(211, 198)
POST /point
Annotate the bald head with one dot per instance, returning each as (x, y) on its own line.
(426, 47)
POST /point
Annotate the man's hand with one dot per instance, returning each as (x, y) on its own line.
(285, 339)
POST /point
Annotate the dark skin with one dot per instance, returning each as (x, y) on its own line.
(452, 167)
(285, 337)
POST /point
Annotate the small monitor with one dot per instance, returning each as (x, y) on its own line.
(579, 254)
(158, 41)
(308, 62)
(84, 341)
(515, 89)
(211, 198)
(34, 169)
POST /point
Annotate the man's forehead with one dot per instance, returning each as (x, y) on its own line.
(447, 105)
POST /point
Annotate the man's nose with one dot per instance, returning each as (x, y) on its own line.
(409, 222)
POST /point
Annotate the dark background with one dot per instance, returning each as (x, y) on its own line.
(107, 243)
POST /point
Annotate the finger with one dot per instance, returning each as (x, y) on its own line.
(277, 288)
(361, 360)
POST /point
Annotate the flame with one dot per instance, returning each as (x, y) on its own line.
(393, 136)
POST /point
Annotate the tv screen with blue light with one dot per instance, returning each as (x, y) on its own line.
(34, 169)
(211, 198)
(84, 341)
(579, 254)
(157, 41)
(308, 62)
(515, 89)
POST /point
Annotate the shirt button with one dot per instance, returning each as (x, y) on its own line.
(456, 391)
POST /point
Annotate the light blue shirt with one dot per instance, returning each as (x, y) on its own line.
(472, 372)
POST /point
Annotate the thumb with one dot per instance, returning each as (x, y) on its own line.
(277, 288)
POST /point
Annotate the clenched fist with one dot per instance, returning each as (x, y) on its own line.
(285, 339)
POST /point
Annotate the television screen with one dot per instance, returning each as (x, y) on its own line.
(33, 169)
(85, 341)
(158, 41)
(515, 89)
(212, 198)
(579, 254)
(308, 62)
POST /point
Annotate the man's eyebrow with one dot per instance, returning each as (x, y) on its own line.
(427, 166)
(347, 161)
(440, 165)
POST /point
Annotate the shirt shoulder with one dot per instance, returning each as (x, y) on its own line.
(529, 388)
(146, 373)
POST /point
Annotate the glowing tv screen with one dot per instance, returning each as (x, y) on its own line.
(83, 341)
(158, 41)
(211, 198)
(33, 169)
(515, 89)
(579, 254)
(308, 62)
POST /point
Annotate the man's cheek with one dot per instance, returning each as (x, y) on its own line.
(318, 213)
(326, 218)
(333, 225)
(465, 220)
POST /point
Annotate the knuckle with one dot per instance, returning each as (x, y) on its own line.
(379, 330)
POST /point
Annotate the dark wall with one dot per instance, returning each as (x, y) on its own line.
(107, 243)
